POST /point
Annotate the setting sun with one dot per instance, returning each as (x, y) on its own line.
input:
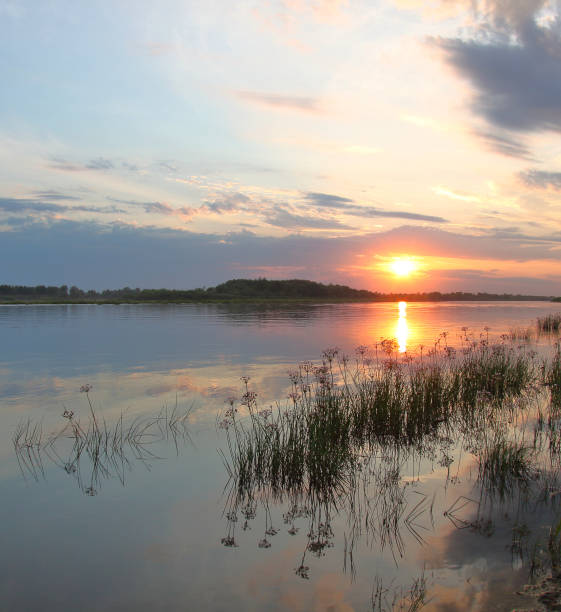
(403, 266)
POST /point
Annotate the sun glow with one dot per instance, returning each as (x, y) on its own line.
(403, 266)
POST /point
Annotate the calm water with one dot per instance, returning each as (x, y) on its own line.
(149, 538)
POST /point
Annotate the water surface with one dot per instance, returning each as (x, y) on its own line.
(151, 537)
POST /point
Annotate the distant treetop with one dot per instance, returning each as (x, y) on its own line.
(241, 289)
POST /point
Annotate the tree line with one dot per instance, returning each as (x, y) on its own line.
(241, 289)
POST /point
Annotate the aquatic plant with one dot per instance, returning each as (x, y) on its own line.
(520, 334)
(552, 378)
(399, 599)
(550, 323)
(505, 464)
(339, 411)
(339, 443)
(28, 442)
(93, 450)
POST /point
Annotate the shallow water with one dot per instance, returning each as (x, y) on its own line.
(150, 536)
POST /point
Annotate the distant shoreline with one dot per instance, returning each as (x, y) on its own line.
(244, 291)
(262, 301)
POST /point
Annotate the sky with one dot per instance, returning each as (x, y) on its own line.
(183, 143)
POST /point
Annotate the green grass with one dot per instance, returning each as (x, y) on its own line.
(350, 425)
(552, 379)
(342, 410)
(506, 464)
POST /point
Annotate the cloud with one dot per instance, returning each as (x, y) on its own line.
(168, 166)
(326, 199)
(19, 205)
(346, 206)
(541, 179)
(63, 165)
(513, 63)
(313, 210)
(281, 102)
(26, 205)
(115, 255)
(276, 213)
(449, 193)
(510, 92)
(504, 144)
(513, 13)
(100, 163)
(229, 202)
(286, 219)
(130, 166)
(158, 207)
(490, 281)
(161, 208)
(396, 214)
(52, 195)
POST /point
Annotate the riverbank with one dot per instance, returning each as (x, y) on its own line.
(248, 291)
(262, 300)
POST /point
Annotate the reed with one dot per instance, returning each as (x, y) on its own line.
(339, 411)
(399, 599)
(92, 450)
(550, 323)
(520, 334)
(552, 379)
(28, 442)
(339, 443)
(505, 464)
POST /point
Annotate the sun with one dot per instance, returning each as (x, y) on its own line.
(403, 266)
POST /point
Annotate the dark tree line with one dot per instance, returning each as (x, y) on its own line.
(242, 289)
(38, 290)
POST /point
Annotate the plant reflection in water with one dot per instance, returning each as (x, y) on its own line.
(94, 450)
(344, 443)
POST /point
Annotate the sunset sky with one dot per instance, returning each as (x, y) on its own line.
(183, 143)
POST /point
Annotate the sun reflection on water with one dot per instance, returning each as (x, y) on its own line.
(402, 329)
